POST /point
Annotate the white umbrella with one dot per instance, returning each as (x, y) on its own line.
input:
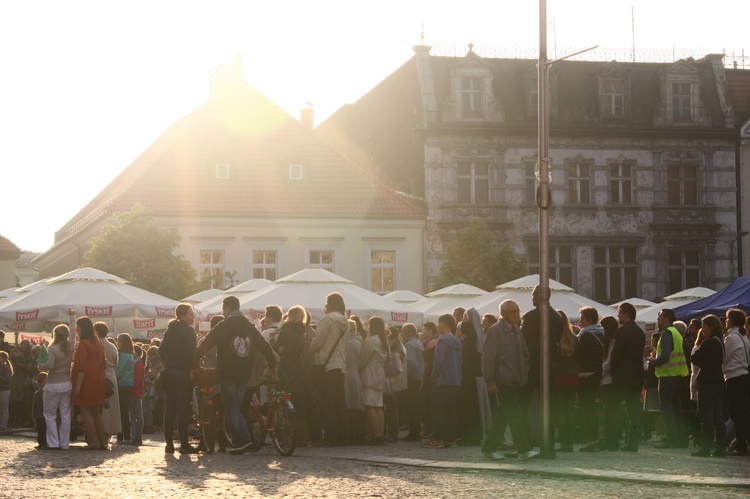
(404, 296)
(90, 292)
(638, 303)
(6, 293)
(562, 298)
(647, 317)
(213, 305)
(444, 300)
(202, 296)
(309, 289)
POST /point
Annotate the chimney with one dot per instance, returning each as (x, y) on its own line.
(235, 69)
(218, 81)
(306, 116)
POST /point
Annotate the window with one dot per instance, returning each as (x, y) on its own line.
(211, 267)
(295, 172)
(264, 264)
(578, 183)
(560, 263)
(684, 270)
(530, 182)
(472, 89)
(620, 183)
(682, 185)
(473, 183)
(321, 259)
(681, 97)
(533, 104)
(382, 271)
(613, 98)
(614, 274)
(222, 171)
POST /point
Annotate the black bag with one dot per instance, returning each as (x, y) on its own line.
(109, 388)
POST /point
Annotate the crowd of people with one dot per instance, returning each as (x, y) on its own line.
(464, 380)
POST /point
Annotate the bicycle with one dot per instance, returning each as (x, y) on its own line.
(208, 414)
(274, 418)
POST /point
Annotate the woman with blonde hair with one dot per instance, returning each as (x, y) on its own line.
(565, 385)
(290, 344)
(372, 374)
(58, 389)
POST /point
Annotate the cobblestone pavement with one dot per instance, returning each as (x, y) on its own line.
(350, 472)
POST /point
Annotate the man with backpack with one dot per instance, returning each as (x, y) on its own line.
(235, 338)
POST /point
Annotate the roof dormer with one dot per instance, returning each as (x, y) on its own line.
(471, 90)
(680, 104)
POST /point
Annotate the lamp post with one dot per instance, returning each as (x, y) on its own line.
(543, 199)
(737, 262)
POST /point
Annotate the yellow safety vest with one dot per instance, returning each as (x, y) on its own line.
(676, 365)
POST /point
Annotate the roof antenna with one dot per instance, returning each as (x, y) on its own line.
(421, 36)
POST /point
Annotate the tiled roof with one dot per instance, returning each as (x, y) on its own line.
(177, 176)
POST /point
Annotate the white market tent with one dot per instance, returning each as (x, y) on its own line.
(404, 296)
(647, 316)
(519, 290)
(638, 303)
(309, 288)
(444, 300)
(213, 305)
(7, 293)
(91, 292)
(202, 296)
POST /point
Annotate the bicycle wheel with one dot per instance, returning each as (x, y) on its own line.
(255, 427)
(208, 424)
(283, 428)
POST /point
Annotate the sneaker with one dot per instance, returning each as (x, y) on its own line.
(523, 456)
(433, 444)
(236, 451)
(495, 456)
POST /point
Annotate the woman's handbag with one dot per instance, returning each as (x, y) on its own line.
(318, 371)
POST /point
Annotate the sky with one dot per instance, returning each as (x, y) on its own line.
(86, 86)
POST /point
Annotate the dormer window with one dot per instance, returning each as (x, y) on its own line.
(681, 101)
(222, 171)
(472, 90)
(295, 172)
(613, 97)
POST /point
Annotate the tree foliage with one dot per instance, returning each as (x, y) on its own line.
(137, 249)
(472, 258)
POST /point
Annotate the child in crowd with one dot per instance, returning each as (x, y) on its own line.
(136, 406)
(37, 412)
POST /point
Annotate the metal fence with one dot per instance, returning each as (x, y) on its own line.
(734, 59)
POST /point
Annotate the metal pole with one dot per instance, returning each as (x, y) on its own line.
(543, 201)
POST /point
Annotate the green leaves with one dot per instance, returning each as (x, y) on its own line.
(472, 258)
(137, 249)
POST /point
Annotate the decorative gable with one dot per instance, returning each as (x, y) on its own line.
(680, 104)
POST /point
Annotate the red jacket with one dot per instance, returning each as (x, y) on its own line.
(139, 373)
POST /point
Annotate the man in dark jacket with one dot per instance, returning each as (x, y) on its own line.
(628, 375)
(531, 328)
(235, 338)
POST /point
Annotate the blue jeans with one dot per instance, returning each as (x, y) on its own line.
(233, 393)
(671, 409)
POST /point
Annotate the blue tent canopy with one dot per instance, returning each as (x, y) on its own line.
(736, 295)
